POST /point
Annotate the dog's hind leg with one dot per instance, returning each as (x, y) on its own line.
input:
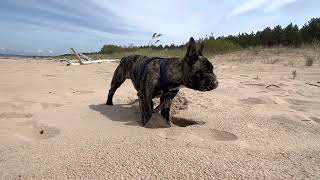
(120, 75)
(147, 86)
(165, 111)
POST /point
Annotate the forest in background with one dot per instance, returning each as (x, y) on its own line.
(289, 36)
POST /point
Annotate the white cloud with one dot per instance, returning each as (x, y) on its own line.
(40, 51)
(247, 6)
(2, 49)
(50, 51)
(265, 5)
(274, 5)
(176, 20)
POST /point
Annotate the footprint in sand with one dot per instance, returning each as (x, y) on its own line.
(50, 105)
(183, 122)
(216, 135)
(298, 108)
(30, 131)
(86, 92)
(199, 133)
(224, 135)
(75, 91)
(15, 115)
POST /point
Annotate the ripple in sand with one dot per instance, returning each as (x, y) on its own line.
(216, 135)
(315, 119)
(15, 115)
(50, 105)
(252, 101)
(76, 91)
(86, 92)
(302, 102)
(223, 135)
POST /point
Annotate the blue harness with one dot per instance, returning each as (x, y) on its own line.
(163, 77)
(164, 84)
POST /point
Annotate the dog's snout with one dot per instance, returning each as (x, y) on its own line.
(215, 84)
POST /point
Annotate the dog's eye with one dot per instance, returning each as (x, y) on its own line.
(199, 74)
(208, 70)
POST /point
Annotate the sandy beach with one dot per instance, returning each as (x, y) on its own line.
(54, 124)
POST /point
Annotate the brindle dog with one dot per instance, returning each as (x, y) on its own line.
(194, 71)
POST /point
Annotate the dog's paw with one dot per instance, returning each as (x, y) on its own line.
(169, 124)
(109, 103)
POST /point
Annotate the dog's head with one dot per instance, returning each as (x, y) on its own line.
(198, 70)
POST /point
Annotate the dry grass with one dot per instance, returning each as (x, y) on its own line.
(146, 52)
(305, 56)
(294, 74)
(309, 60)
(270, 61)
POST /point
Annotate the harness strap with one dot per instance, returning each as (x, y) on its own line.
(163, 76)
(167, 94)
(164, 84)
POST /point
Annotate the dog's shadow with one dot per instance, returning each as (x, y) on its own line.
(127, 113)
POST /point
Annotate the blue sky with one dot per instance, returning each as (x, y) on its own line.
(50, 27)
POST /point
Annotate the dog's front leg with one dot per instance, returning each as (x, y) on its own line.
(166, 101)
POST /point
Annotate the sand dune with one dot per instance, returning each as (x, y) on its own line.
(54, 124)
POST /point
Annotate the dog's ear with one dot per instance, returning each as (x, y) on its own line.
(201, 49)
(192, 54)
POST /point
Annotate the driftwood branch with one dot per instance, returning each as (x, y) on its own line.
(77, 55)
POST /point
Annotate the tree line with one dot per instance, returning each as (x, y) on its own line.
(290, 35)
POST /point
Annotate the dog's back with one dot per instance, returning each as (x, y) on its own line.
(128, 64)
